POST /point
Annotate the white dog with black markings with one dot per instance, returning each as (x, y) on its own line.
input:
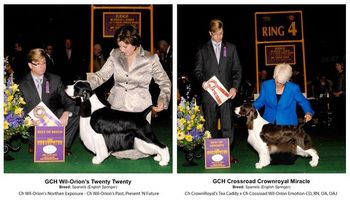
(105, 131)
(268, 138)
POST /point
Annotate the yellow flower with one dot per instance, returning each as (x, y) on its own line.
(6, 124)
(180, 135)
(196, 109)
(207, 135)
(199, 126)
(28, 122)
(192, 122)
(188, 138)
(10, 98)
(182, 121)
(5, 109)
(18, 111)
(14, 88)
(21, 101)
(181, 108)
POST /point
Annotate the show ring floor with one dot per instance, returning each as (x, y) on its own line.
(80, 160)
(329, 142)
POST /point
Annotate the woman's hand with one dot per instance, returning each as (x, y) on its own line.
(159, 107)
(307, 117)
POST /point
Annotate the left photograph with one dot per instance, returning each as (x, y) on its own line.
(87, 89)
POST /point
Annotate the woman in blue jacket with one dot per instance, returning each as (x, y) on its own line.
(280, 98)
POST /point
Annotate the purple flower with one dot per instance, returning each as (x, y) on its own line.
(197, 135)
(225, 51)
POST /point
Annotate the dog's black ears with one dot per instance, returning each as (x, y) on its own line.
(253, 114)
(253, 111)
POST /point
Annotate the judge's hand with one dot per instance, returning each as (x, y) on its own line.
(64, 118)
(159, 107)
(206, 86)
(233, 92)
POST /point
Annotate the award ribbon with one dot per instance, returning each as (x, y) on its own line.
(45, 119)
(214, 84)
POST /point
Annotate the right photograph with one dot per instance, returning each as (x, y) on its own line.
(261, 89)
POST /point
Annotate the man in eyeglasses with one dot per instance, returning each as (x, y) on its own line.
(38, 85)
(218, 57)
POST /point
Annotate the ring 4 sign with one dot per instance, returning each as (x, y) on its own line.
(279, 26)
(279, 38)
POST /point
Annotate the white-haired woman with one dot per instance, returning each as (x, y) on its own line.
(280, 98)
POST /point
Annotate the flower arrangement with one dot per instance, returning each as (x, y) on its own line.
(190, 125)
(14, 120)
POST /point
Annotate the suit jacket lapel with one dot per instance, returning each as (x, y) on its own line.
(45, 89)
(285, 94)
(123, 61)
(32, 91)
(274, 95)
(212, 52)
(139, 60)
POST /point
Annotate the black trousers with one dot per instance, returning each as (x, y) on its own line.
(212, 112)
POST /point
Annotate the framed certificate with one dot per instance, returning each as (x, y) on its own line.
(217, 153)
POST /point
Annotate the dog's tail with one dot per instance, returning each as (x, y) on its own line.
(146, 111)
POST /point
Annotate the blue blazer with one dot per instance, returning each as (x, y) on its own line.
(285, 111)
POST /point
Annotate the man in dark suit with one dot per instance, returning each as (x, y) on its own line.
(165, 56)
(38, 85)
(18, 62)
(50, 59)
(70, 64)
(219, 58)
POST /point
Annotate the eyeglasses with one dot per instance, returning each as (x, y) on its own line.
(218, 33)
(37, 64)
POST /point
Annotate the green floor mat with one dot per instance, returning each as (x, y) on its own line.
(80, 160)
(329, 143)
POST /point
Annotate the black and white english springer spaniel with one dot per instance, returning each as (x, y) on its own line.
(104, 130)
(268, 138)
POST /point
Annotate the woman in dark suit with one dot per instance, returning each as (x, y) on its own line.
(280, 98)
(38, 85)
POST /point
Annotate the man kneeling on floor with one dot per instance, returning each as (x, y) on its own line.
(37, 86)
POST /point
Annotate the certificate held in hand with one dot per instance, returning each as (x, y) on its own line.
(43, 116)
(217, 90)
